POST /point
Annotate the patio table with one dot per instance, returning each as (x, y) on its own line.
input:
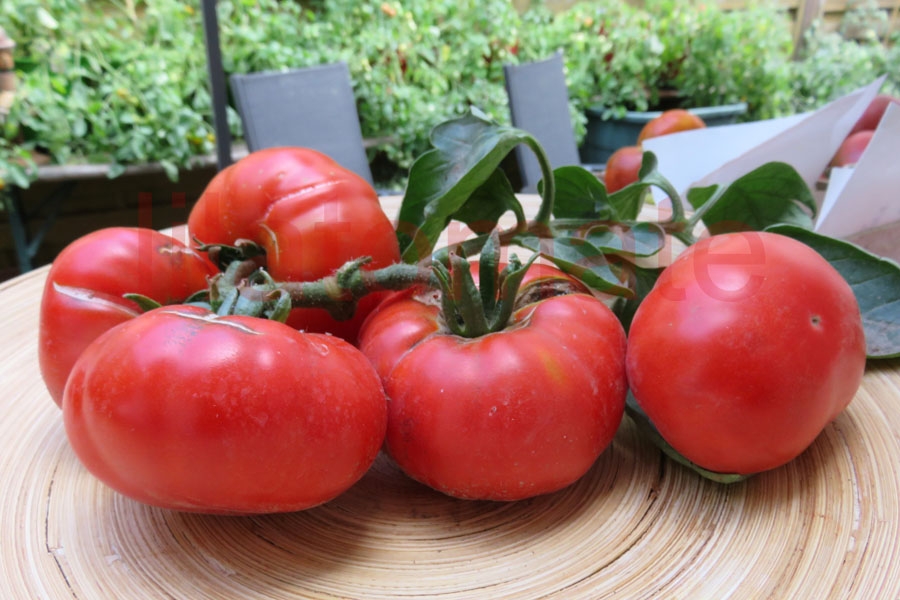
(637, 525)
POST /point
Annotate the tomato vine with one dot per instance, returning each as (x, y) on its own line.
(601, 238)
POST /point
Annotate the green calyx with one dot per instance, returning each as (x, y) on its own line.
(472, 310)
(224, 256)
(256, 295)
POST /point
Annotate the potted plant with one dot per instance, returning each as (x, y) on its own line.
(627, 63)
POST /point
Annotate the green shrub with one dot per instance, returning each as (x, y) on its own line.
(99, 84)
(832, 65)
(105, 81)
(622, 57)
(612, 56)
(419, 62)
(736, 56)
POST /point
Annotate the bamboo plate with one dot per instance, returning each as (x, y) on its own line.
(636, 526)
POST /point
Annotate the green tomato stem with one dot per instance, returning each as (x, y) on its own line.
(470, 311)
(462, 305)
(257, 294)
(548, 188)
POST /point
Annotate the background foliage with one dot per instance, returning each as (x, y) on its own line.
(122, 82)
(831, 65)
(99, 83)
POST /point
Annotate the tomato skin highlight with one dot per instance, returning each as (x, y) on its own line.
(509, 415)
(746, 348)
(623, 168)
(188, 411)
(309, 214)
(83, 294)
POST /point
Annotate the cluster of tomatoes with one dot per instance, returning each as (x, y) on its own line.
(739, 362)
(624, 165)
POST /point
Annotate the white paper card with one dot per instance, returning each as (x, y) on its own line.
(689, 156)
(867, 195)
(719, 155)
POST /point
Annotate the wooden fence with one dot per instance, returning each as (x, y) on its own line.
(803, 13)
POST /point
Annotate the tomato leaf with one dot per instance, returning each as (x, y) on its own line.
(700, 196)
(580, 195)
(875, 282)
(644, 423)
(771, 194)
(628, 201)
(467, 151)
(488, 203)
(578, 257)
(637, 239)
(145, 303)
(649, 175)
(642, 238)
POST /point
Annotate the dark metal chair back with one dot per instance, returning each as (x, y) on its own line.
(312, 107)
(539, 104)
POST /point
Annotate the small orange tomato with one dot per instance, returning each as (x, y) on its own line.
(622, 168)
(873, 113)
(670, 121)
(851, 149)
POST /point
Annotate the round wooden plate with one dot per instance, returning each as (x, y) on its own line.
(636, 526)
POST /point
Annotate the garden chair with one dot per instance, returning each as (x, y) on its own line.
(312, 107)
(539, 104)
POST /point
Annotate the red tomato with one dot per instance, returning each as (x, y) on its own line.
(623, 168)
(852, 148)
(83, 294)
(668, 122)
(508, 415)
(308, 213)
(746, 348)
(871, 117)
(185, 410)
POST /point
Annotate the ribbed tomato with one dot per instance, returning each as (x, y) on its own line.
(85, 288)
(518, 412)
(309, 214)
(186, 410)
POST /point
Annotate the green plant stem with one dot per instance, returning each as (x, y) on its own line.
(468, 310)
(351, 282)
(548, 187)
(338, 293)
(677, 225)
(697, 216)
(681, 232)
